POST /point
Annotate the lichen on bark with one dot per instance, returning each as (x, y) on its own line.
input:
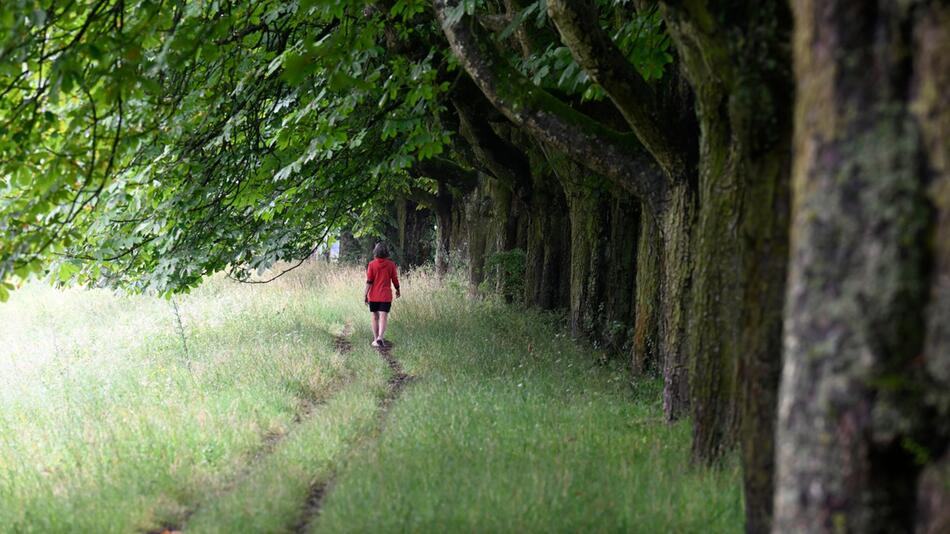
(860, 412)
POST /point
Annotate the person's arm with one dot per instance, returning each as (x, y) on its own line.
(370, 276)
(396, 281)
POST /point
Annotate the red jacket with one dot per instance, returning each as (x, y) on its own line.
(379, 274)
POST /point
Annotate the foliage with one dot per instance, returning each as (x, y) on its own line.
(146, 144)
(642, 38)
(504, 274)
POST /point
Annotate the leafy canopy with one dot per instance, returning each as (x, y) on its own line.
(147, 143)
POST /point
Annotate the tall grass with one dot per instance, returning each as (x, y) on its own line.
(511, 426)
(109, 424)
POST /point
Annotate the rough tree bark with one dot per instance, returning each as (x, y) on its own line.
(865, 397)
(547, 265)
(645, 351)
(587, 210)
(620, 270)
(735, 56)
(415, 233)
(478, 232)
(676, 224)
(444, 207)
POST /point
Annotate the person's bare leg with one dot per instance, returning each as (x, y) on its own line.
(375, 326)
(383, 317)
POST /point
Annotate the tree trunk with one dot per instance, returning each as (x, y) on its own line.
(547, 275)
(350, 248)
(507, 218)
(588, 221)
(865, 397)
(458, 238)
(734, 56)
(676, 227)
(415, 233)
(620, 271)
(645, 351)
(479, 229)
(588, 212)
(443, 213)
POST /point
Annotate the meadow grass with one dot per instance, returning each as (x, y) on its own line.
(109, 424)
(510, 426)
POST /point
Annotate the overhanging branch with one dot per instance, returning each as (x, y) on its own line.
(446, 172)
(596, 52)
(617, 156)
(505, 161)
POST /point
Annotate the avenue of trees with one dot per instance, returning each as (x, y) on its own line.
(748, 199)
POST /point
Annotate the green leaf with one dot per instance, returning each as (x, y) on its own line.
(517, 20)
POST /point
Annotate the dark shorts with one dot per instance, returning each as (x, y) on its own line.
(380, 306)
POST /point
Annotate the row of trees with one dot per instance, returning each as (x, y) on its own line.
(712, 188)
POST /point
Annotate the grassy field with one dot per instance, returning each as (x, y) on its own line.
(234, 409)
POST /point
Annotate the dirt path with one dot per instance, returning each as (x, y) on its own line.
(395, 385)
(269, 443)
(397, 382)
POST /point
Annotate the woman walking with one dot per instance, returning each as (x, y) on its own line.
(380, 273)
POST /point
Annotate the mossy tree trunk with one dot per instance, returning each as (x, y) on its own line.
(547, 266)
(620, 271)
(415, 233)
(588, 213)
(645, 350)
(676, 227)
(735, 57)
(479, 234)
(588, 219)
(865, 397)
(443, 214)
(604, 226)
(504, 226)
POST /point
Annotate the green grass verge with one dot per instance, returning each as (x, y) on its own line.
(512, 427)
(108, 423)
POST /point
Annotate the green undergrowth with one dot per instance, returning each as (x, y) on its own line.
(113, 418)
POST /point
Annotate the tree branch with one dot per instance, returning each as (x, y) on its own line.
(617, 156)
(505, 161)
(421, 196)
(447, 172)
(701, 43)
(596, 52)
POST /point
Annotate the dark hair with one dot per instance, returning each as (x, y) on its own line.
(381, 250)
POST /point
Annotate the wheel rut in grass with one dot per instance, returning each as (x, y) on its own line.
(271, 440)
(398, 381)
